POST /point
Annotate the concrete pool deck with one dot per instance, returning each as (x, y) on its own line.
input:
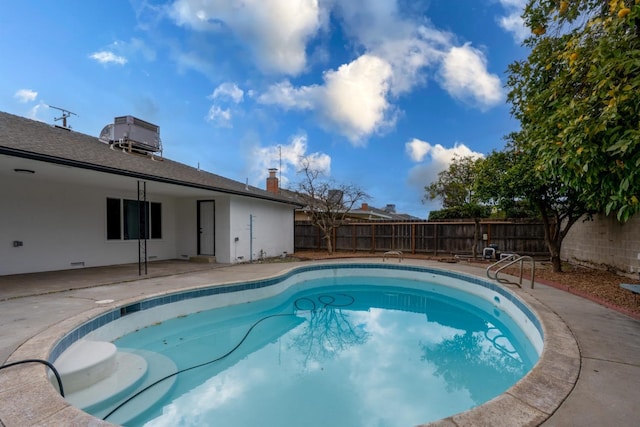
(587, 376)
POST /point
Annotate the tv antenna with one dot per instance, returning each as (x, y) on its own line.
(65, 114)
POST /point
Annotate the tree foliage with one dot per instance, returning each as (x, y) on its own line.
(326, 202)
(507, 178)
(577, 97)
(457, 212)
(455, 187)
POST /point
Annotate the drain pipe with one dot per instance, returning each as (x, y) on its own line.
(250, 238)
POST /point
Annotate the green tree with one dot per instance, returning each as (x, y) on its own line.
(455, 188)
(577, 97)
(509, 177)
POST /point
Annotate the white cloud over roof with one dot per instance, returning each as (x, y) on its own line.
(290, 156)
(25, 95)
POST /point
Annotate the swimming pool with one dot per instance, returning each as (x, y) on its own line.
(499, 328)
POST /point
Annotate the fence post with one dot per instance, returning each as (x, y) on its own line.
(333, 237)
(393, 236)
(413, 238)
(373, 238)
(354, 239)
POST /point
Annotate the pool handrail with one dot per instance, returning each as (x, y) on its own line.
(511, 259)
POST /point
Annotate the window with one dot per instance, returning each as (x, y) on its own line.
(113, 219)
(133, 219)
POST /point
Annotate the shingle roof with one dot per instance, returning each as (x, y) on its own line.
(22, 137)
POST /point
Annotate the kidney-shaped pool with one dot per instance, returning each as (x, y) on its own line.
(348, 345)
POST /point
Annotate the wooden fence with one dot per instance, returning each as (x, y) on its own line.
(423, 237)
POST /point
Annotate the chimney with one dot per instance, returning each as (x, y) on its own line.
(365, 207)
(272, 182)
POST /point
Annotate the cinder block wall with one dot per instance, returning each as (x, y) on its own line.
(605, 243)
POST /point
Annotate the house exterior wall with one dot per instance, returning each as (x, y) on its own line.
(223, 224)
(63, 226)
(270, 225)
(185, 225)
(605, 243)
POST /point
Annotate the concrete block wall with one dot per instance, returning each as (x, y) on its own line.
(605, 243)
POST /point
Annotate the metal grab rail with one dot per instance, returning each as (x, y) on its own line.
(510, 260)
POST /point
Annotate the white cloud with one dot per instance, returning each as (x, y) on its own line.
(286, 96)
(36, 110)
(355, 97)
(106, 57)
(228, 90)
(118, 52)
(414, 47)
(352, 101)
(408, 58)
(397, 47)
(275, 31)
(26, 95)
(228, 93)
(432, 159)
(290, 157)
(512, 22)
(464, 75)
(417, 149)
(219, 116)
(381, 29)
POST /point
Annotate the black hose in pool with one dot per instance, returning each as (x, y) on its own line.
(296, 305)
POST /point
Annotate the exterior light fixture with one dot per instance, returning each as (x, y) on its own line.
(26, 171)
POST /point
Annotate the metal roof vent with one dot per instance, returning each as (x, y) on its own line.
(132, 134)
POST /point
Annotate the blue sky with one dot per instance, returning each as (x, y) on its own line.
(379, 94)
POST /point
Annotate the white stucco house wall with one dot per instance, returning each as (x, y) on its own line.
(69, 200)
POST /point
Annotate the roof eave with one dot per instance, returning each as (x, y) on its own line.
(131, 174)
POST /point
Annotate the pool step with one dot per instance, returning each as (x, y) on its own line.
(97, 377)
(129, 372)
(158, 367)
(86, 363)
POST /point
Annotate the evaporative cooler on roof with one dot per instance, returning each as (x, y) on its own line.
(133, 133)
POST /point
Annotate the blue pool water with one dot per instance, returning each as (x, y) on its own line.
(343, 351)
